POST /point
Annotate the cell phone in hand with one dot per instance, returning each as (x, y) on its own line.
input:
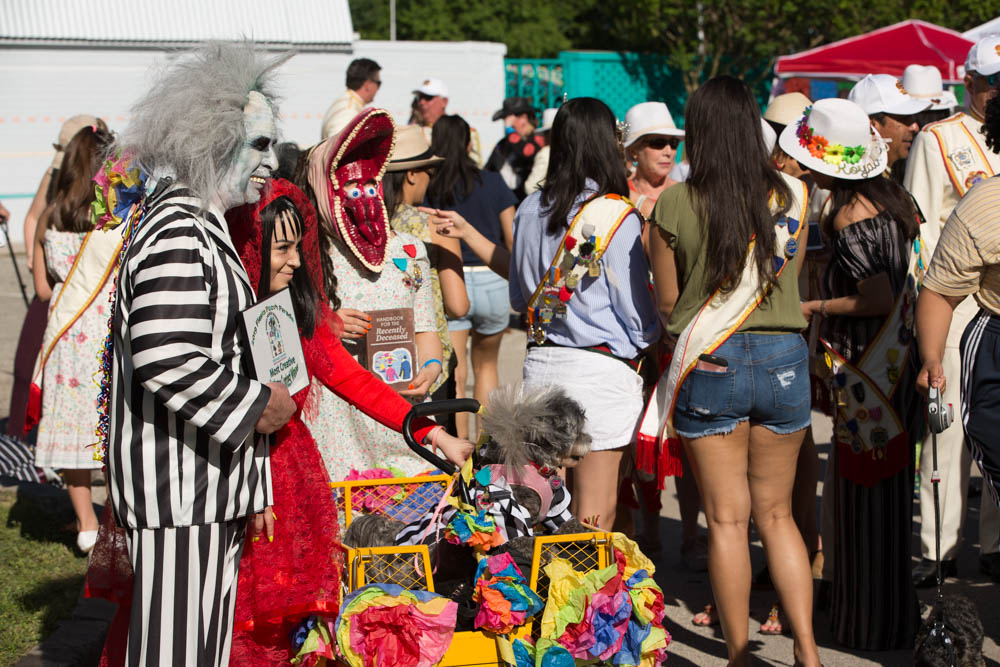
(711, 363)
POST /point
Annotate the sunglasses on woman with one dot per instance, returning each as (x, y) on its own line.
(659, 143)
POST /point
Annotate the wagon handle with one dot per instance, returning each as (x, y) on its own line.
(427, 410)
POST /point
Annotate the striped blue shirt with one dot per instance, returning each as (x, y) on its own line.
(616, 309)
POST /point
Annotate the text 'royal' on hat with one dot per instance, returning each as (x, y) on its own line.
(835, 137)
(648, 118)
(924, 83)
(984, 56)
(411, 150)
(432, 87)
(884, 93)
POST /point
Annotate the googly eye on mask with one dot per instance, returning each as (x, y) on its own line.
(353, 191)
(371, 190)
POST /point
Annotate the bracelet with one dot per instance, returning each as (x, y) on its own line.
(822, 308)
(432, 361)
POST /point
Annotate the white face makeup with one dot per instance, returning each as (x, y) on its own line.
(243, 181)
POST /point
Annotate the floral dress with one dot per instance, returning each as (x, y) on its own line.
(347, 438)
(409, 220)
(69, 393)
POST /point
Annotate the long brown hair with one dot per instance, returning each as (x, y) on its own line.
(732, 180)
(69, 210)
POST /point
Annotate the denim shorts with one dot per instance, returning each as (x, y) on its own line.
(489, 304)
(767, 383)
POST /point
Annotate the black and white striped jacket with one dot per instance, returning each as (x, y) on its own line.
(183, 450)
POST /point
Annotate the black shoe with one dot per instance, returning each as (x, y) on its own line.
(925, 572)
(989, 564)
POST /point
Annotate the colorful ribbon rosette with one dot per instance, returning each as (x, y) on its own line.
(385, 625)
(478, 530)
(614, 613)
(118, 187)
(505, 599)
(313, 642)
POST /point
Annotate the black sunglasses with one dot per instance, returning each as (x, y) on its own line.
(659, 143)
(424, 97)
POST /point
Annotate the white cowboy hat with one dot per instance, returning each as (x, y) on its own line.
(548, 117)
(884, 93)
(770, 137)
(984, 56)
(835, 137)
(649, 118)
(924, 83)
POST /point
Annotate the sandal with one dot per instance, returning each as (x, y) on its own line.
(706, 618)
(773, 624)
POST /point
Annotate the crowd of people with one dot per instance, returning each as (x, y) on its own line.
(816, 256)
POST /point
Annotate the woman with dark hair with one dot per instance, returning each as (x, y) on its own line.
(484, 200)
(73, 340)
(867, 331)
(579, 272)
(725, 256)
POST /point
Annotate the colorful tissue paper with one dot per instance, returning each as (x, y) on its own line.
(475, 530)
(505, 599)
(385, 625)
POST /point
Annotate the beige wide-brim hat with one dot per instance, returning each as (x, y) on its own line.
(924, 83)
(68, 130)
(835, 137)
(786, 109)
(649, 118)
(411, 150)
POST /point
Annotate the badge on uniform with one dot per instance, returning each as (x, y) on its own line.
(962, 158)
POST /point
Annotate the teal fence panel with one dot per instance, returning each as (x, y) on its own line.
(540, 79)
(619, 79)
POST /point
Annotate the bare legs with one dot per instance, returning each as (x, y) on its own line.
(460, 341)
(78, 485)
(689, 503)
(485, 355)
(751, 471)
(595, 486)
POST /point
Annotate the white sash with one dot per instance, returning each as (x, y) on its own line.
(719, 318)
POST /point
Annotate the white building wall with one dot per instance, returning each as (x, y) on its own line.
(43, 86)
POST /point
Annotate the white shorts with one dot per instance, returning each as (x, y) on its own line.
(608, 389)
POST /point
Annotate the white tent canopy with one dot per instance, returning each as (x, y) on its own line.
(991, 27)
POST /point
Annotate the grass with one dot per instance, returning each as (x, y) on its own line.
(41, 575)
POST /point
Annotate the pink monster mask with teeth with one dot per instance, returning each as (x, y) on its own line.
(345, 174)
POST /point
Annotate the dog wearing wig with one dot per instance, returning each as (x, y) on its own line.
(531, 434)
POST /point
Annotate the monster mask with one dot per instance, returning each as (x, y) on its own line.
(345, 174)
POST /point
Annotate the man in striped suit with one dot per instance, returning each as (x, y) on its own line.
(188, 452)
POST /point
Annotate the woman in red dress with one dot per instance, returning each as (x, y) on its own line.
(293, 570)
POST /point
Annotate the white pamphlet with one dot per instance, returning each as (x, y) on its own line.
(272, 337)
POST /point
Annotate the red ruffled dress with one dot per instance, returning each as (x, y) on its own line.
(298, 574)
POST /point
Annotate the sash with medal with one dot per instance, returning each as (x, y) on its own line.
(712, 326)
(868, 431)
(588, 236)
(963, 155)
(84, 283)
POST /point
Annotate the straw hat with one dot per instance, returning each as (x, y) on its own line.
(924, 83)
(68, 130)
(835, 137)
(786, 109)
(411, 150)
(649, 118)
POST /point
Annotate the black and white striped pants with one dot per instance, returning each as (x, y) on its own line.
(980, 350)
(184, 593)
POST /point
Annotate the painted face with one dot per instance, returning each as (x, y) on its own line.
(654, 156)
(432, 108)
(285, 250)
(243, 181)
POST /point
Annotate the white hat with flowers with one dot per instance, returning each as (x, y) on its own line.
(835, 137)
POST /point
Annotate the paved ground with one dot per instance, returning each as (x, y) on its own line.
(685, 592)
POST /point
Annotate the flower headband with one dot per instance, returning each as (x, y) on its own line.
(845, 158)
